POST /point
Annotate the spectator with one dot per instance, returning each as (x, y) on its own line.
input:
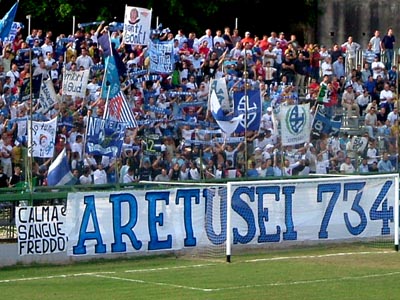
(384, 164)
(347, 167)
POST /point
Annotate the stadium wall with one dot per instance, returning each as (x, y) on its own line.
(360, 18)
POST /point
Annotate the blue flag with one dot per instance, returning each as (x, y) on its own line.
(323, 124)
(104, 137)
(104, 41)
(253, 111)
(59, 171)
(26, 91)
(111, 84)
(162, 57)
(105, 44)
(7, 21)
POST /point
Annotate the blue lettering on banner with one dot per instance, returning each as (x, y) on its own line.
(153, 198)
(384, 214)
(243, 209)
(210, 197)
(90, 212)
(127, 229)
(254, 215)
(187, 196)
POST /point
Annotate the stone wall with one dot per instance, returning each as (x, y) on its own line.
(359, 18)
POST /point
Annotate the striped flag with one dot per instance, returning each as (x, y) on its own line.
(117, 109)
(7, 21)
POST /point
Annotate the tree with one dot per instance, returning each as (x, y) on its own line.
(256, 16)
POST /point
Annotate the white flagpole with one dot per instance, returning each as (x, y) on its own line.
(28, 17)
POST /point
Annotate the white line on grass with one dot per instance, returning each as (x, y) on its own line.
(154, 283)
(52, 277)
(104, 274)
(306, 281)
(289, 283)
(168, 268)
(318, 256)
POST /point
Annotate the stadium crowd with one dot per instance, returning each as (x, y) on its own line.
(285, 72)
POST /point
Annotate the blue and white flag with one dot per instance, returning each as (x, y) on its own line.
(252, 109)
(47, 97)
(137, 24)
(104, 137)
(117, 109)
(162, 58)
(13, 31)
(323, 124)
(59, 172)
(7, 22)
(295, 124)
(228, 124)
(41, 138)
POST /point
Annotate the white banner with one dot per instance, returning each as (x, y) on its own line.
(75, 83)
(295, 124)
(262, 212)
(42, 138)
(41, 229)
(137, 22)
(47, 96)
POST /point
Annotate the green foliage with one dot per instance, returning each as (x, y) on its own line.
(56, 15)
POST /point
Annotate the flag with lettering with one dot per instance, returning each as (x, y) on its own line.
(75, 83)
(137, 24)
(117, 109)
(47, 97)
(7, 22)
(41, 138)
(161, 55)
(295, 124)
(322, 124)
(15, 27)
(248, 103)
(104, 137)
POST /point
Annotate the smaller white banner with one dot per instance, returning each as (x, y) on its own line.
(41, 229)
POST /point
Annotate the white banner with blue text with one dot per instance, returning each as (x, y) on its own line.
(262, 212)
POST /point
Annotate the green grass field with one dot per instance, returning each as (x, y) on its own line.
(334, 272)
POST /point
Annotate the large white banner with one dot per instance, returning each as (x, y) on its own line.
(75, 83)
(262, 212)
(42, 138)
(137, 22)
(295, 124)
(41, 229)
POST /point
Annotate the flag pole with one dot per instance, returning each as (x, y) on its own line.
(245, 75)
(30, 135)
